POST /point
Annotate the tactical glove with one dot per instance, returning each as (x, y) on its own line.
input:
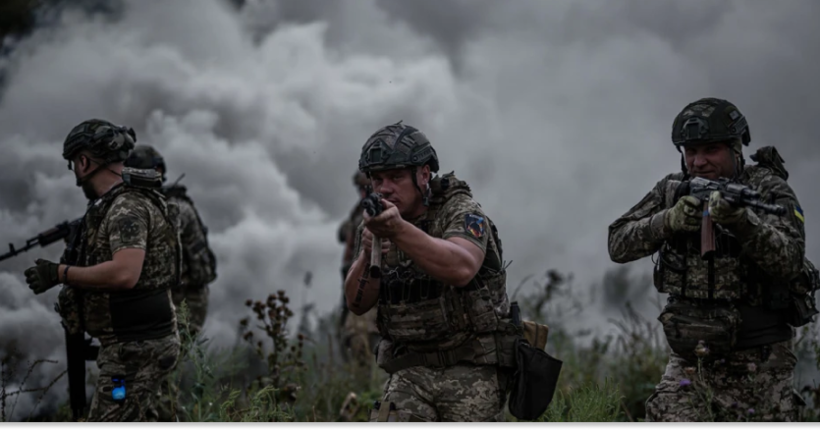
(686, 215)
(43, 276)
(723, 212)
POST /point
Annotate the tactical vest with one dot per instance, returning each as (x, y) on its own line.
(424, 315)
(728, 299)
(680, 270)
(136, 314)
(198, 260)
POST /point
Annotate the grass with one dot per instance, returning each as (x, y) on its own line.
(277, 374)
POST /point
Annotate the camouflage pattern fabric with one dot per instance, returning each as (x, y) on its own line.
(196, 272)
(769, 242)
(423, 315)
(458, 393)
(131, 221)
(750, 385)
(197, 258)
(359, 336)
(144, 365)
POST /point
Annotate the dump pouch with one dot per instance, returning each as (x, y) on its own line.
(534, 381)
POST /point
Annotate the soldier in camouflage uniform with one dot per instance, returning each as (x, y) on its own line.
(727, 312)
(359, 334)
(117, 273)
(198, 261)
(442, 296)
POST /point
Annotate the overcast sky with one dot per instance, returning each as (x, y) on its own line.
(557, 113)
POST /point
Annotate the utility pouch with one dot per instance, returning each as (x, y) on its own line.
(802, 304)
(802, 310)
(685, 324)
(536, 334)
(534, 381)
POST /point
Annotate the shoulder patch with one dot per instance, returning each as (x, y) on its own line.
(128, 228)
(474, 224)
(798, 212)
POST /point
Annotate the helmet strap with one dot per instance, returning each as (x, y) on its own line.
(425, 197)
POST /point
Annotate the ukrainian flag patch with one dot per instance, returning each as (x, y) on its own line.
(798, 212)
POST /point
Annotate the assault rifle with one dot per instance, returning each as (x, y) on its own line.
(78, 351)
(734, 193)
(78, 348)
(60, 231)
(372, 204)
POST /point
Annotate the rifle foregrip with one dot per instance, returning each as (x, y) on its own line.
(707, 233)
(376, 258)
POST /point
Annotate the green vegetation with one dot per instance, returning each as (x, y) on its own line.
(274, 374)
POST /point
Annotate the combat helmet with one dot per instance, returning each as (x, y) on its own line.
(398, 146)
(106, 141)
(709, 120)
(146, 157)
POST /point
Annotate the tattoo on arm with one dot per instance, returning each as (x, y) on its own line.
(360, 291)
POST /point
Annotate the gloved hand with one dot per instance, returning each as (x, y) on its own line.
(43, 276)
(686, 215)
(723, 212)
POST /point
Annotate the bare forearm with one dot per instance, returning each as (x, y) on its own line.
(441, 259)
(106, 276)
(360, 296)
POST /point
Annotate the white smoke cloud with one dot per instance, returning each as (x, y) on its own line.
(558, 116)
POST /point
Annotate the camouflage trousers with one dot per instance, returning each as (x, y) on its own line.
(457, 393)
(143, 364)
(197, 299)
(749, 385)
(359, 336)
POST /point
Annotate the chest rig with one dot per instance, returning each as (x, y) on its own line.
(425, 315)
(680, 270)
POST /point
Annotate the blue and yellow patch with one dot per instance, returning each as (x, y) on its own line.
(474, 224)
(798, 212)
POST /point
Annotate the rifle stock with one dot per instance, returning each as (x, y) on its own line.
(376, 258)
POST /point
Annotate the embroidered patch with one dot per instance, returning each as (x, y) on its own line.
(474, 224)
(798, 212)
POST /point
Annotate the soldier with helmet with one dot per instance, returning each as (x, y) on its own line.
(442, 291)
(358, 333)
(730, 315)
(117, 273)
(198, 260)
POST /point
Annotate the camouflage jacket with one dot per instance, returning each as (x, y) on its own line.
(198, 260)
(128, 218)
(752, 255)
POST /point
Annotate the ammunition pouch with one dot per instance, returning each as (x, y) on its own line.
(69, 306)
(534, 380)
(686, 322)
